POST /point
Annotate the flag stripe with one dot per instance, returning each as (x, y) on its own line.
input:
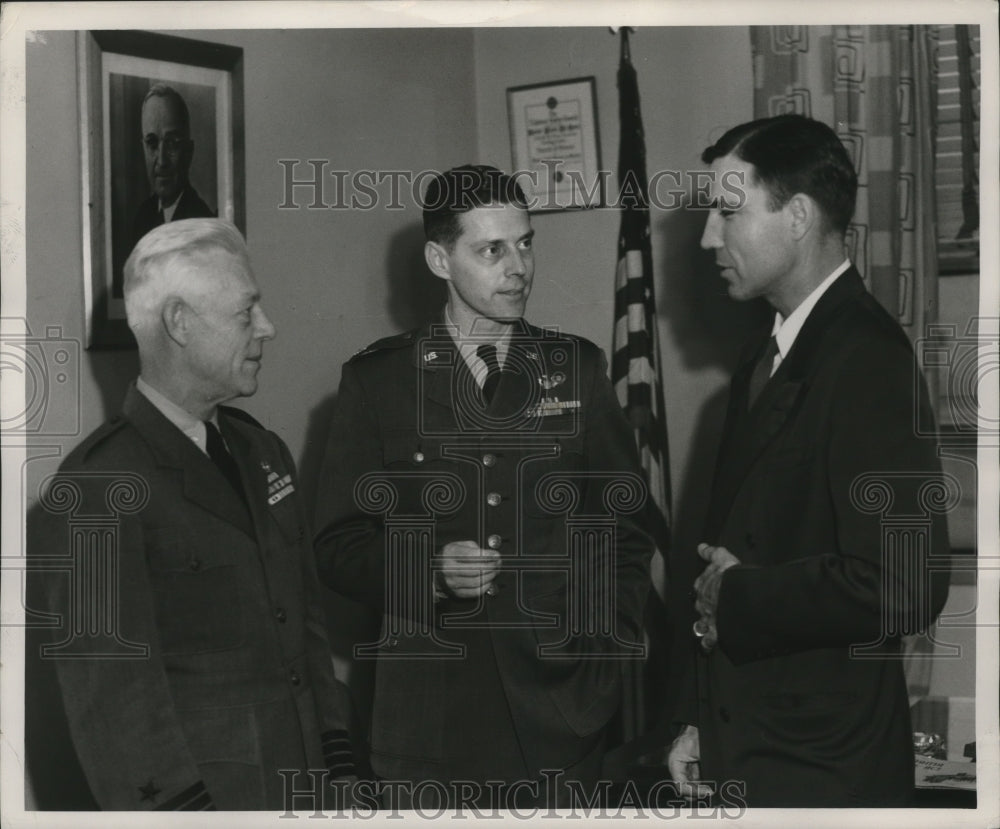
(635, 374)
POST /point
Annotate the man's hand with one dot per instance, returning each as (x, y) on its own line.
(706, 632)
(707, 584)
(682, 761)
(465, 570)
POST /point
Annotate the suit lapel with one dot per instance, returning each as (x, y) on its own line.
(749, 433)
(202, 482)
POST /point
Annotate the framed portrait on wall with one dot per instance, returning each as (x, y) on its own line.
(161, 140)
(555, 144)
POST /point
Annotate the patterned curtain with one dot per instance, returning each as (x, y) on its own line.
(877, 87)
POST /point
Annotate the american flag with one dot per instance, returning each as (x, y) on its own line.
(635, 373)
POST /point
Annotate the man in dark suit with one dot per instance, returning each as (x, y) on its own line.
(797, 692)
(481, 490)
(168, 149)
(191, 653)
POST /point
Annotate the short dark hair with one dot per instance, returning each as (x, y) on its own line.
(795, 154)
(461, 189)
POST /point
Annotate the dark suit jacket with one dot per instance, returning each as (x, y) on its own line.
(216, 670)
(190, 206)
(782, 703)
(412, 450)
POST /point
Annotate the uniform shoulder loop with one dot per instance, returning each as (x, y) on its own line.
(403, 340)
(96, 438)
(239, 414)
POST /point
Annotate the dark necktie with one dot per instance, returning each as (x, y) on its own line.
(160, 218)
(220, 455)
(488, 354)
(762, 371)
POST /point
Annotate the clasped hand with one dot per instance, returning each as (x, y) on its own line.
(465, 570)
(706, 588)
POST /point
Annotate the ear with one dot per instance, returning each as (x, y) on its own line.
(438, 260)
(803, 215)
(175, 317)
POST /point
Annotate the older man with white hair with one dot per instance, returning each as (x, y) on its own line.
(213, 687)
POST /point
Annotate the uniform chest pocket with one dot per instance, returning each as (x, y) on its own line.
(420, 476)
(196, 591)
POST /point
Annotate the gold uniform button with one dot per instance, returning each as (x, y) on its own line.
(418, 457)
(489, 459)
(493, 542)
(493, 499)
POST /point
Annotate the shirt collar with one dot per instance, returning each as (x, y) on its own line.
(785, 330)
(168, 210)
(467, 347)
(191, 426)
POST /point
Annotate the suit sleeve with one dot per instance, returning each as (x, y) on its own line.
(121, 714)
(350, 545)
(332, 698)
(870, 589)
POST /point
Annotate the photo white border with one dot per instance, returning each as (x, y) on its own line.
(19, 23)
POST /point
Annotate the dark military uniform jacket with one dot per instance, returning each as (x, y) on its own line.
(192, 655)
(547, 474)
(834, 505)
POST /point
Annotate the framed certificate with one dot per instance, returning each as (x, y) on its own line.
(554, 144)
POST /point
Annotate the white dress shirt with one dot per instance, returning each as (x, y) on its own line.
(786, 330)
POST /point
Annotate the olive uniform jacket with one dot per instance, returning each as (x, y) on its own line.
(821, 491)
(209, 669)
(416, 460)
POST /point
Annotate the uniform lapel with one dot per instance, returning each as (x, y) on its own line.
(518, 390)
(202, 482)
(442, 371)
(749, 433)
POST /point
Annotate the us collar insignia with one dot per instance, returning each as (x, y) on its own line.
(430, 356)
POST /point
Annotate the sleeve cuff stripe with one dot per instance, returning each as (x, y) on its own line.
(194, 797)
(201, 804)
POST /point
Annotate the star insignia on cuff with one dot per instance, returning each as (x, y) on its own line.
(149, 791)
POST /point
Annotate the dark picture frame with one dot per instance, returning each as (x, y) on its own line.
(116, 69)
(555, 144)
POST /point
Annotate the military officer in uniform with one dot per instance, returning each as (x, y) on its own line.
(206, 680)
(481, 490)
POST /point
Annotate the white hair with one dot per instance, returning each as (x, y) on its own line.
(160, 266)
